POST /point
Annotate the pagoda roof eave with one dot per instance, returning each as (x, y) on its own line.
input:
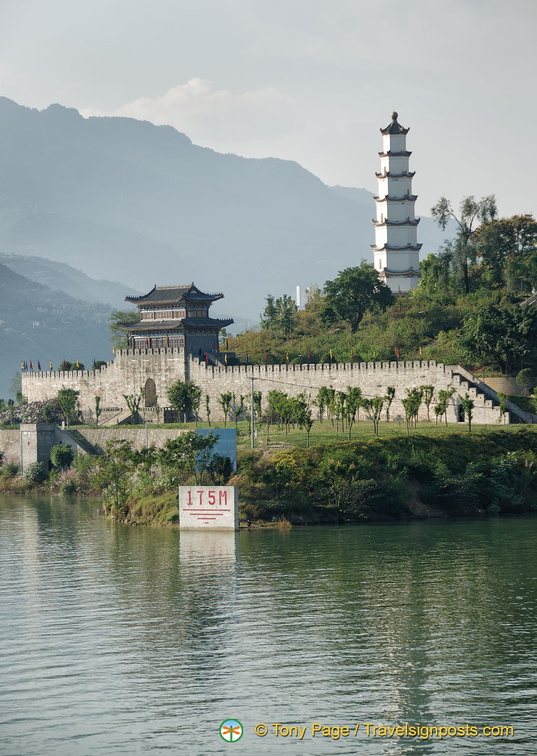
(406, 222)
(392, 153)
(412, 197)
(165, 295)
(157, 326)
(389, 174)
(393, 248)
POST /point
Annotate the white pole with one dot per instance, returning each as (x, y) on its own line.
(297, 300)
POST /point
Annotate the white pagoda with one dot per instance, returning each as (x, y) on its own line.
(396, 249)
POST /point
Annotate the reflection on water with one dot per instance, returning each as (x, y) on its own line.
(129, 640)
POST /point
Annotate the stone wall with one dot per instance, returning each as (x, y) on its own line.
(132, 368)
(373, 378)
(10, 445)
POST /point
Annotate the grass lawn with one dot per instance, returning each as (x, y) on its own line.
(326, 433)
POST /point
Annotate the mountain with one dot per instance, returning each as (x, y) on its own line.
(38, 323)
(125, 200)
(64, 278)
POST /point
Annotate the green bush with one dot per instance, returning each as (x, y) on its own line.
(36, 472)
(62, 456)
(9, 470)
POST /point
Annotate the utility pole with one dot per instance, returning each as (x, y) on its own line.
(252, 415)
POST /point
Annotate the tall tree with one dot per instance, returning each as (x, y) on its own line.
(184, 396)
(471, 214)
(501, 335)
(119, 337)
(508, 250)
(353, 293)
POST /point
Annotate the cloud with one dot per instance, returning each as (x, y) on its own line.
(211, 115)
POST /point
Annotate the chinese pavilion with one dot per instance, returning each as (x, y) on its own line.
(396, 250)
(175, 316)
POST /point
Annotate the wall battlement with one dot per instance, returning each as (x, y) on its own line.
(155, 369)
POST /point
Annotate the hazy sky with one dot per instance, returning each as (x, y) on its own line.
(306, 80)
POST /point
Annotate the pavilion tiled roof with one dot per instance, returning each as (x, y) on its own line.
(154, 326)
(173, 295)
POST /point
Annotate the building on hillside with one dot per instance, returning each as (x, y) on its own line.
(396, 249)
(176, 316)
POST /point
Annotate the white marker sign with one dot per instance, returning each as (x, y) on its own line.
(208, 507)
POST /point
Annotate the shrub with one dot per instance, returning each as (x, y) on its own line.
(36, 472)
(62, 456)
(9, 470)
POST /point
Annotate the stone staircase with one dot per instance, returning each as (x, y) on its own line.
(114, 416)
(485, 396)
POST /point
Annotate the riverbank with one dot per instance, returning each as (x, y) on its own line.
(401, 477)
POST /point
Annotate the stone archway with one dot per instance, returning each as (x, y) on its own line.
(150, 395)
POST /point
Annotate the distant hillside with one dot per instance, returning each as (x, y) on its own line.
(38, 323)
(64, 278)
(124, 200)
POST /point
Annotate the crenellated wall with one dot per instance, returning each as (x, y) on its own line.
(133, 367)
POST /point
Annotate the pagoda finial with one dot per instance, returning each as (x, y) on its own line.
(394, 115)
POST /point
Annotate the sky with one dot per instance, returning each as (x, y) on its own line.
(305, 80)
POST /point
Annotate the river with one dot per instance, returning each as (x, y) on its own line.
(135, 640)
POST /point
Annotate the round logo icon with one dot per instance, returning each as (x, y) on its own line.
(231, 730)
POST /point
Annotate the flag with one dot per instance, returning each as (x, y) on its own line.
(225, 358)
(421, 351)
(31, 365)
(23, 366)
(331, 355)
(147, 341)
(50, 366)
(246, 359)
(38, 365)
(397, 353)
(375, 354)
(266, 357)
(287, 356)
(207, 357)
(167, 341)
(352, 356)
(309, 356)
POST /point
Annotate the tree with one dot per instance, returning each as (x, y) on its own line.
(471, 212)
(467, 405)
(374, 407)
(67, 400)
(353, 293)
(119, 337)
(411, 406)
(225, 400)
(185, 397)
(508, 250)
(208, 409)
(427, 395)
(354, 401)
(502, 335)
(62, 456)
(133, 403)
(444, 395)
(98, 410)
(279, 314)
(388, 399)
(178, 457)
(526, 378)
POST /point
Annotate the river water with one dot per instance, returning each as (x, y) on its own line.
(132, 640)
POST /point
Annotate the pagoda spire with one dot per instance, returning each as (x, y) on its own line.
(396, 249)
